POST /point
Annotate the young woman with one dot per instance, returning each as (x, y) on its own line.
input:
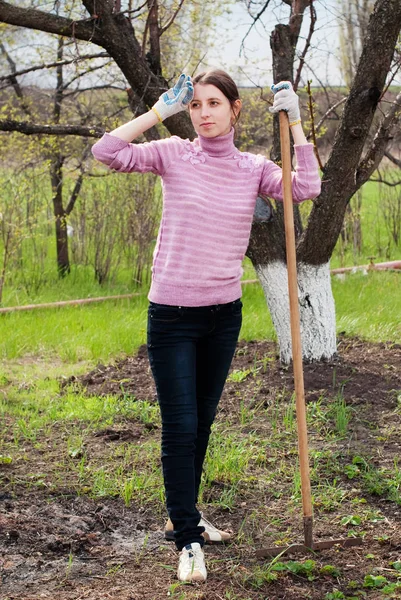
(194, 316)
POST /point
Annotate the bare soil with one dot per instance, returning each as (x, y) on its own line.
(57, 544)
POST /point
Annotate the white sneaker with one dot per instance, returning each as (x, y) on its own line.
(212, 535)
(192, 564)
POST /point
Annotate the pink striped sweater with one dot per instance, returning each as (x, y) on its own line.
(209, 195)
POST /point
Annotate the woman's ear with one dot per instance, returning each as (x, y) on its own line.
(236, 109)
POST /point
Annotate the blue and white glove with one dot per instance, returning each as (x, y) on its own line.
(175, 99)
(286, 99)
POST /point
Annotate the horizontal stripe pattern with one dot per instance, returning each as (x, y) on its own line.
(209, 195)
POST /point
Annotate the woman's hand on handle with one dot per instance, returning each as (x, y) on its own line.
(286, 99)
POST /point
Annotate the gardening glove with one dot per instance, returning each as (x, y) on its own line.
(286, 99)
(175, 99)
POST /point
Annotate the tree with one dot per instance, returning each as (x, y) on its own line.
(55, 152)
(71, 56)
(111, 28)
(349, 165)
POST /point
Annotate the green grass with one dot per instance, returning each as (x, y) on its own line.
(78, 333)
(376, 241)
(80, 283)
(369, 305)
(366, 306)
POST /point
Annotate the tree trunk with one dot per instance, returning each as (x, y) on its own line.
(316, 304)
(344, 173)
(267, 244)
(154, 55)
(56, 174)
(6, 254)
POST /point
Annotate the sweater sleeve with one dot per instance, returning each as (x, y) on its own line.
(126, 157)
(306, 182)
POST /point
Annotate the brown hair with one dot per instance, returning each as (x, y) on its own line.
(224, 83)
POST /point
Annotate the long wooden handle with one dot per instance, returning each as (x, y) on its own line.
(295, 323)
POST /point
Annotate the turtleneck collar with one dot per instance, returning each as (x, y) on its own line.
(220, 146)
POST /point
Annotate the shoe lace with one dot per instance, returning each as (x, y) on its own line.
(196, 556)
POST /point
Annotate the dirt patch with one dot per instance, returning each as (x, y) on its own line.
(363, 371)
(61, 545)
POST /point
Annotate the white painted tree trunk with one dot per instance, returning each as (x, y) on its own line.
(316, 307)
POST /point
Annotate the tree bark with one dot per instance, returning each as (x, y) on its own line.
(32, 129)
(154, 54)
(316, 308)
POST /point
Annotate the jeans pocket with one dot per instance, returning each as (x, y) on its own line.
(163, 313)
(236, 308)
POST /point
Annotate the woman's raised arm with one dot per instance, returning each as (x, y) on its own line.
(171, 102)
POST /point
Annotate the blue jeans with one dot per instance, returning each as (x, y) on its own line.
(190, 352)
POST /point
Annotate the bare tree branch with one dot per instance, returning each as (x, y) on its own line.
(259, 87)
(393, 75)
(53, 64)
(133, 10)
(43, 21)
(106, 86)
(114, 33)
(307, 45)
(90, 70)
(320, 82)
(255, 20)
(313, 130)
(150, 4)
(75, 193)
(330, 110)
(385, 181)
(14, 81)
(58, 95)
(393, 159)
(173, 18)
(372, 159)
(326, 114)
(31, 129)
(78, 184)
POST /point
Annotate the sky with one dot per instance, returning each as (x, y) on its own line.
(252, 63)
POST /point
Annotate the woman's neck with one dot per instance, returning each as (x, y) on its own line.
(221, 145)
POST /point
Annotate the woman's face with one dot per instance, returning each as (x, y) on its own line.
(211, 112)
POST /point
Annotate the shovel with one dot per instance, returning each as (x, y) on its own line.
(309, 543)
